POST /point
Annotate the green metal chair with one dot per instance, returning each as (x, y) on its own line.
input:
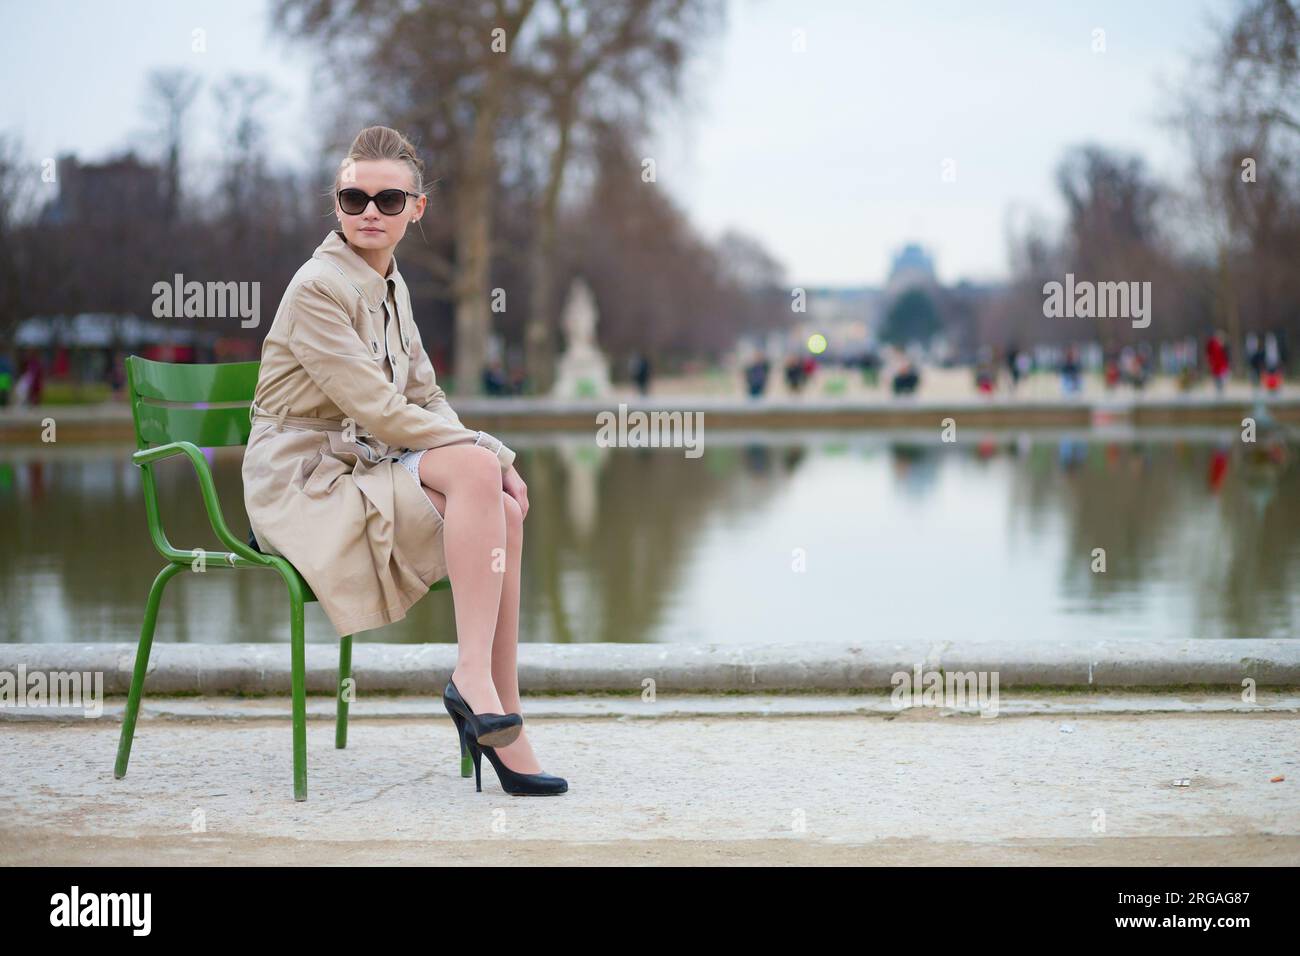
(177, 410)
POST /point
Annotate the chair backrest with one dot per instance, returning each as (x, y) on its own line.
(203, 404)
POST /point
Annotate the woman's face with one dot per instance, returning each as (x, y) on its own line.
(371, 229)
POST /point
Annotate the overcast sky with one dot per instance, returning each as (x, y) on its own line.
(832, 157)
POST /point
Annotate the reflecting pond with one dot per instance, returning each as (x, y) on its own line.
(768, 537)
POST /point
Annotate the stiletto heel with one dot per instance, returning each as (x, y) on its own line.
(494, 730)
(475, 755)
(459, 721)
(515, 784)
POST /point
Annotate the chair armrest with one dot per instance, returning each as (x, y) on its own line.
(211, 503)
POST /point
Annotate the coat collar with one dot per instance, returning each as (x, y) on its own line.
(371, 286)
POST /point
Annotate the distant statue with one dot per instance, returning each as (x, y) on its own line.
(583, 370)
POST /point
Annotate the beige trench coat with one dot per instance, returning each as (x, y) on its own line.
(344, 388)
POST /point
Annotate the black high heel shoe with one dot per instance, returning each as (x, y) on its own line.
(495, 730)
(515, 784)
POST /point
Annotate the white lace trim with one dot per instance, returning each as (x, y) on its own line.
(411, 462)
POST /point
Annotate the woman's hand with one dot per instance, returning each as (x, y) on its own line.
(514, 486)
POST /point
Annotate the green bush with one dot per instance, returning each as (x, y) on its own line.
(75, 393)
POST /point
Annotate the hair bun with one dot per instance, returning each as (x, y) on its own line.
(384, 142)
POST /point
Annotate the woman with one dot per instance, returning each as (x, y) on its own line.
(359, 472)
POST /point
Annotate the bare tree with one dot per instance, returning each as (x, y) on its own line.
(595, 62)
(243, 165)
(440, 71)
(1260, 58)
(472, 80)
(1240, 122)
(16, 181)
(661, 288)
(170, 94)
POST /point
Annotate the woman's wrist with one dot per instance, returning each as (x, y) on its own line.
(504, 455)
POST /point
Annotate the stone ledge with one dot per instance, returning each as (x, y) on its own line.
(264, 669)
(112, 421)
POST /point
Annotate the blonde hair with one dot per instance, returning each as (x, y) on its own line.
(381, 142)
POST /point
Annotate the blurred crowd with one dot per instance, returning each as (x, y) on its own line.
(25, 377)
(1188, 362)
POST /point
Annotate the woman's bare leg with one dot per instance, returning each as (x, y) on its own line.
(474, 528)
(518, 756)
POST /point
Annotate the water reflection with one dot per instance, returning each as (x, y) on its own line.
(766, 538)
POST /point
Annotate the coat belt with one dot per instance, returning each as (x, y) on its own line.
(282, 418)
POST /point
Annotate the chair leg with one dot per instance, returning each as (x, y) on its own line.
(298, 650)
(141, 667)
(345, 673)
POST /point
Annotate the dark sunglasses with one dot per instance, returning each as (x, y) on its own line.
(390, 202)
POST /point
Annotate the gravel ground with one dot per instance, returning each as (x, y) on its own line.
(1090, 787)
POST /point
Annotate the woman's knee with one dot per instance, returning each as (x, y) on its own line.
(514, 514)
(461, 469)
(484, 471)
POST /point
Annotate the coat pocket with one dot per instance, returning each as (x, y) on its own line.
(335, 458)
(323, 476)
(310, 465)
